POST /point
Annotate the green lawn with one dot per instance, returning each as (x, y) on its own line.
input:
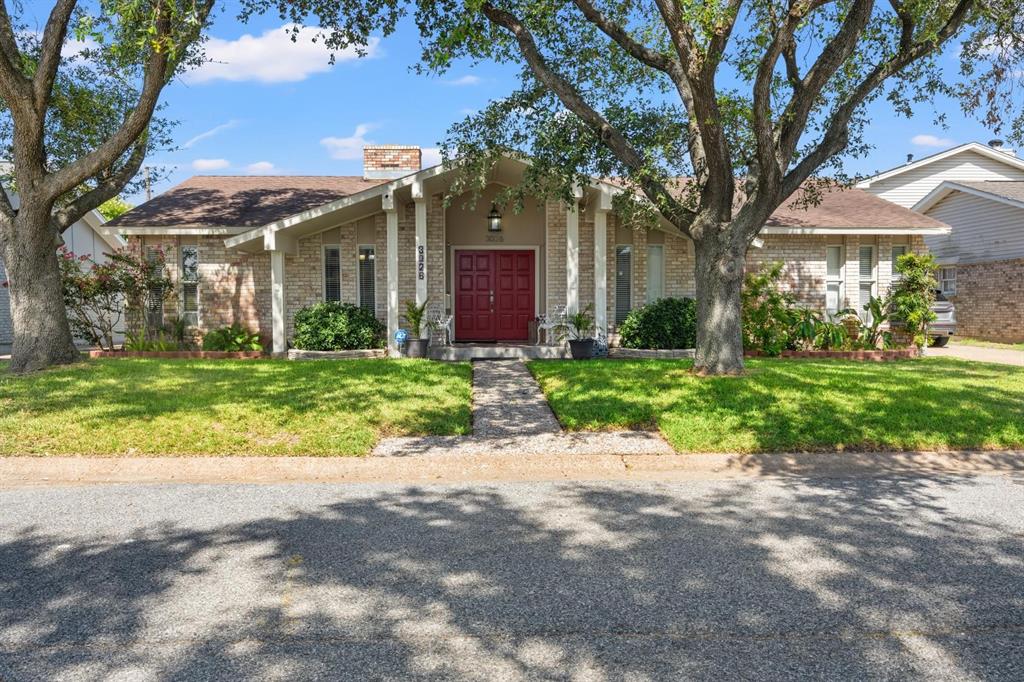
(801, 405)
(224, 407)
(987, 344)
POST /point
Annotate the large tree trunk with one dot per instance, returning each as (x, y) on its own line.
(42, 336)
(719, 278)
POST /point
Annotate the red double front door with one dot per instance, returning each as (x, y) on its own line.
(494, 295)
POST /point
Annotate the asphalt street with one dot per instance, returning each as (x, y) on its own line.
(839, 578)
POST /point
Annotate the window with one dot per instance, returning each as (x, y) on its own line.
(897, 251)
(190, 285)
(947, 281)
(867, 279)
(623, 282)
(155, 296)
(332, 273)
(655, 272)
(367, 278)
(834, 267)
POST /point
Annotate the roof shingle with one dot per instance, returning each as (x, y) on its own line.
(1008, 189)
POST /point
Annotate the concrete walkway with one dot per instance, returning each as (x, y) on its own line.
(511, 415)
(1002, 356)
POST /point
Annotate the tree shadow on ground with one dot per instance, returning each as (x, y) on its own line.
(870, 578)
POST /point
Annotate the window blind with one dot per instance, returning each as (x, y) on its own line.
(623, 280)
(190, 285)
(833, 278)
(867, 279)
(367, 278)
(332, 273)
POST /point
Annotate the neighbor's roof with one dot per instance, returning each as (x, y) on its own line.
(1007, 189)
(1003, 157)
(849, 208)
(1003, 191)
(240, 200)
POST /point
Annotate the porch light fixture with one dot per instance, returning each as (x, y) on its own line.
(494, 220)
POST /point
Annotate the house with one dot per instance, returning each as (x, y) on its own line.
(978, 190)
(260, 248)
(88, 236)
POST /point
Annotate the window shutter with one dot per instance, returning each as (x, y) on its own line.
(332, 273)
(867, 263)
(367, 278)
(623, 280)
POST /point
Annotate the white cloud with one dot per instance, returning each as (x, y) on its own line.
(210, 164)
(431, 156)
(271, 57)
(351, 147)
(463, 81)
(931, 141)
(216, 130)
(259, 167)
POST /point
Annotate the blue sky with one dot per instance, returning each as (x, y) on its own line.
(266, 105)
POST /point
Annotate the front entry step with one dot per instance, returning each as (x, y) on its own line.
(467, 352)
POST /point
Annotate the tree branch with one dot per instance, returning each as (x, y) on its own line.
(609, 136)
(50, 52)
(107, 188)
(14, 86)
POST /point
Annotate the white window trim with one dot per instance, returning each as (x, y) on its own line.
(199, 303)
(661, 294)
(323, 271)
(943, 280)
(874, 278)
(842, 276)
(359, 288)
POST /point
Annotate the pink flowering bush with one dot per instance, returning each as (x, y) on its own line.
(96, 294)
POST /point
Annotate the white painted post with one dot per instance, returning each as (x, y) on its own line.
(572, 253)
(277, 301)
(391, 215)
(421, 247)
(601, 210)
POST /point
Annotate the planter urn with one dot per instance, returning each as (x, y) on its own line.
(416, 348)
(581, 349)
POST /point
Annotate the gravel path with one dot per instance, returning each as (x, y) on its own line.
(889, 578)
(511, 415)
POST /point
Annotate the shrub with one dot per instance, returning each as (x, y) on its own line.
(233, 339)
(665, 324)
(768, 316)
(912, 295)
(337, 326)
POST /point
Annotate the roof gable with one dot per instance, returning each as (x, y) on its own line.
(1009, 160)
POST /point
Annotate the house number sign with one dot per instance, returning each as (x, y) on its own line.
(421, 262)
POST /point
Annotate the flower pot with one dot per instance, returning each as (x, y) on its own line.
(416, 348)
(581, 349)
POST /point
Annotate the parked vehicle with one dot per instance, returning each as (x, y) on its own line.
(944, 325)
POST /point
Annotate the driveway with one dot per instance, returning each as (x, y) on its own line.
(918, 577)
(1002, 356)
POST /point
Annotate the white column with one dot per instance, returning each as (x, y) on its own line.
(572, 253)
(277, 300)
(392, 241)
(601, 271)
(421, 245)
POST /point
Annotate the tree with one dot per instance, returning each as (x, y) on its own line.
(113, 207)
(77, 126)
(749, 100)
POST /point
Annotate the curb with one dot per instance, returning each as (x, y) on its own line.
(50, 471)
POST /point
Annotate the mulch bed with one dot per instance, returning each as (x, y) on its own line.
(178, 354)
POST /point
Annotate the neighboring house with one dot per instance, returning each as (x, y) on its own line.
(88, 236)
(256, 249)
(978, 190)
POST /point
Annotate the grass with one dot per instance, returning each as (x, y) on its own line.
(987, 344)
(224, 407)
(796, 405)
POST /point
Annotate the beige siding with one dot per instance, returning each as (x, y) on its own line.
(906, 189)
(983, 229)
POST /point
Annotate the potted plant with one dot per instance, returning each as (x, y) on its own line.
(415, 346)
(578, 330)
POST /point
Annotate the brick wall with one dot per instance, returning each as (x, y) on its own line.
(804, 265)
(303, 279)
(990, 300)
(555, 247)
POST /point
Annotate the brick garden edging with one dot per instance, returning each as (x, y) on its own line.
(295, 354)
(864, 355)
(178, 354)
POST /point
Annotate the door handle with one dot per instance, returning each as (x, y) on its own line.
(492, 299)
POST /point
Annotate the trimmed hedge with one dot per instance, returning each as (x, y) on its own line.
(666, 324)
(337, 326)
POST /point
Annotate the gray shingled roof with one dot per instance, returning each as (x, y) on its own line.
(1008, 189)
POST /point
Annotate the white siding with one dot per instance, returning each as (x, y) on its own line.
(983, 229)
(906, 189)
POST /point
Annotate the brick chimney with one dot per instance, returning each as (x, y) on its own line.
(390, 161)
